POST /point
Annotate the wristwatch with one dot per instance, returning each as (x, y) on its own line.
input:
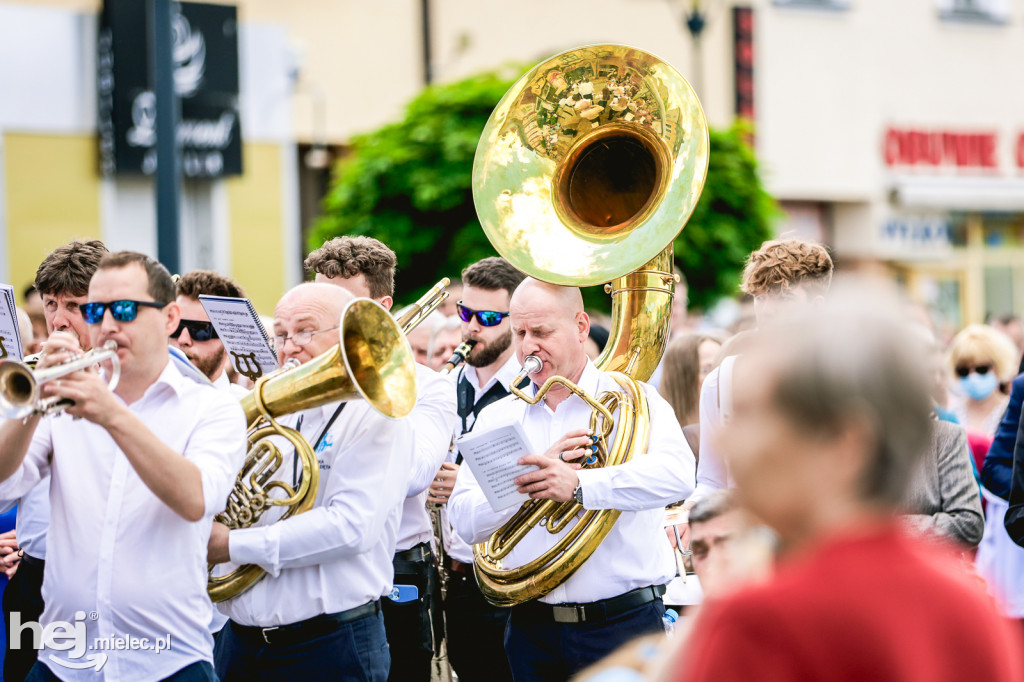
(578, 493)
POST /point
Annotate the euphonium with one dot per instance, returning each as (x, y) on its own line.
(372, 361)
(21, 383)
(587, 170)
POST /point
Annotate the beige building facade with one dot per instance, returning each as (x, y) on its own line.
(890, 130)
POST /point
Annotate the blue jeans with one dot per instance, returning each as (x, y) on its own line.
(356, 651)
(541, 650)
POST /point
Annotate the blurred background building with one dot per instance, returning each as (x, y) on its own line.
(891, 131)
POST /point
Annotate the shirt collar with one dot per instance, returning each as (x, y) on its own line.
(505, 375)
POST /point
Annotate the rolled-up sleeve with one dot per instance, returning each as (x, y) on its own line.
(660, 476)
(433, 421)
(217, 447)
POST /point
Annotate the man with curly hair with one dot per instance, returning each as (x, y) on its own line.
(781, 274)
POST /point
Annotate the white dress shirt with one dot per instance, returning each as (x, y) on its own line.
(457, 548)
(337, 555)
(714, 396)
(34, 519)
(234, 390)
(114, 549)
(432, 419)
(635, 553)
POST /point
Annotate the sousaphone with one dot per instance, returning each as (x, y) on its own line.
(587, 170)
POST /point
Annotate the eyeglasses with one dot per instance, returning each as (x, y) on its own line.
(299, 338)
(198, 330)
(486, 318)
(963, 370)
(123, 311)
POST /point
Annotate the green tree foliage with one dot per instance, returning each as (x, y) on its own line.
(409, 185)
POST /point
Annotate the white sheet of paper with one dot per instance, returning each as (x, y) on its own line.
(242, 334)
(10, 334)
(493, 458)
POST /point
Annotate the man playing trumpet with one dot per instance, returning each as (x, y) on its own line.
(137, 474)
(616, 594)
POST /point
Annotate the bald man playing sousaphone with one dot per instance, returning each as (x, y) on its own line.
(616, 594)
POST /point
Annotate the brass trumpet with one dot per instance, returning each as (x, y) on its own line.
(21, 384)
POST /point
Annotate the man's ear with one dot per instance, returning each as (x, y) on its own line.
(583, 324)
(386, 302)
(173, 311)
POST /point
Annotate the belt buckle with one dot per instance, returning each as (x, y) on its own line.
(265, 632)
(569, 613)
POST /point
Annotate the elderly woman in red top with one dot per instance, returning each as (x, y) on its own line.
(822, 442)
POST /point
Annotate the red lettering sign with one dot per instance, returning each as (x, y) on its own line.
(943, 148)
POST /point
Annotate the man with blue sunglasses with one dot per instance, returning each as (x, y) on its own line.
(138, 474)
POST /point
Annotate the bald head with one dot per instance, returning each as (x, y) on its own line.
(331, 298)
(308, 308)
(567, 299)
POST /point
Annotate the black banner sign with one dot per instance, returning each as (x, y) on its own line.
(205, 79)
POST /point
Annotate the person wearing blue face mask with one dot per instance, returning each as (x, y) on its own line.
(983, 361)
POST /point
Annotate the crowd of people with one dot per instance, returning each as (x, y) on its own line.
(845, 491)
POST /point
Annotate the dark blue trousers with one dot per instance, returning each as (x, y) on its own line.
(356, 651)
(200, 671)
(541, 650)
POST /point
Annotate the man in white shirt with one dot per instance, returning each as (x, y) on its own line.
(616, 594)
(195, 335)
(62, 280)
(137, 475)
(780, 274)
(476, 628)
(365, 267)
(317, 613)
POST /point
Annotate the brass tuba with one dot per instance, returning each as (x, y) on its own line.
(372, 361)
(587, 170)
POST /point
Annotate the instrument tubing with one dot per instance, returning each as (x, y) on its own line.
(304, 630)
(592, 612)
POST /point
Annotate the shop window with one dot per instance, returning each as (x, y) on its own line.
(1000, 232)
(999, 298)
(982, 11)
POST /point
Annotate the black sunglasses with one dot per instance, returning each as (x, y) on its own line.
(963, 370)
(487, 318)
(198, 330)
(123, 311)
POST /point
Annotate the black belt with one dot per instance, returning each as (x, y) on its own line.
(30, 560)
(592, 612)
(418, 553)
(304, 630)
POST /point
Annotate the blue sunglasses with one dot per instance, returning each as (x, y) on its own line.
(122, 311)
(487, 318)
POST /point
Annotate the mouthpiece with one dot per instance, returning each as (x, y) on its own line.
(532, 364)
(458, 357)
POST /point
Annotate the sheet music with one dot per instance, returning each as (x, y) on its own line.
(493, 458)
(242, 334)
(10, 333)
